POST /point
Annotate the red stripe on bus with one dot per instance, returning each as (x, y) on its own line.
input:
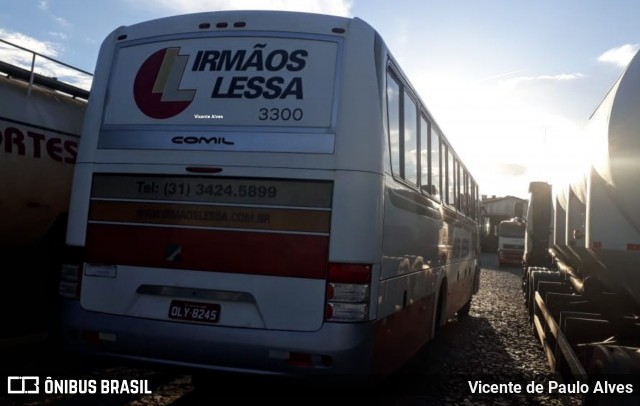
(302, 256)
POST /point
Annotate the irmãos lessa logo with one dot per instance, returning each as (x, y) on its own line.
(156, 87)
(257, 73)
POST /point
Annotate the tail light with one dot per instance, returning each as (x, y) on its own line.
(348, 292)
(70, 281)
(71, 273)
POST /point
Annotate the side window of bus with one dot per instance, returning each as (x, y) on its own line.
(403, 131)
(476, 202)
(472, 198)
(424, 156)
(459, 186)
(410, 143)
(464, 191)
(451, 178)
(456, 183)
(393, 112)
(436, 177)
(445, 173)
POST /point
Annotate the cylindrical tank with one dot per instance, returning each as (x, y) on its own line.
(614, 130)
(39, 132)
(601, 205)
(601, 202)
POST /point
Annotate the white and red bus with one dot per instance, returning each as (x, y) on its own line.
(265, 192)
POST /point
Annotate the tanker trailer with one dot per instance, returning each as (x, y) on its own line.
(581, 280)
(40, 122)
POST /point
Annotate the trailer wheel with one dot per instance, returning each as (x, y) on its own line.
(613, 359)
(620, 364)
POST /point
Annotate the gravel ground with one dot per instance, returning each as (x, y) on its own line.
(494, 344)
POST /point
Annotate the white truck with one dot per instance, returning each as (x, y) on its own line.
(581, 277)
(40, 125)
(511, 242)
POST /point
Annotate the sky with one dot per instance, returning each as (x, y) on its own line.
(511, 83)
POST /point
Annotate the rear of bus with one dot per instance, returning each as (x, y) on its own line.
(226, 205)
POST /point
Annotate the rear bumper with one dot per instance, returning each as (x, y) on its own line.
(336, 348)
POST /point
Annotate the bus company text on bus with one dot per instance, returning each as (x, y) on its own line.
(201, 140)
(257, 86)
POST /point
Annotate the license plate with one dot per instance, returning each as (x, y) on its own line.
(194, 311)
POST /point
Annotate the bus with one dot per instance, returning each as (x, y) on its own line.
(264, 192)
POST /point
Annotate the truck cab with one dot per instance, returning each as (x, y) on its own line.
(511, 241)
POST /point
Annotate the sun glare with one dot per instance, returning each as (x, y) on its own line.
(506, 141)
